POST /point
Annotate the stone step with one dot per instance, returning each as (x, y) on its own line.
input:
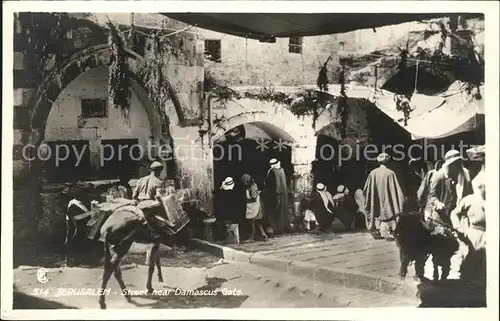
(293, 289)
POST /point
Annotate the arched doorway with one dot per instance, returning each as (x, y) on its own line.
(247, 149)
(86, 61)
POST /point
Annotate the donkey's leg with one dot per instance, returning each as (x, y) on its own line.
(120, 252)
(108, 270)
(67, 241)
(151, 263)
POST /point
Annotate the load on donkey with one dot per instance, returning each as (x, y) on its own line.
(120, 222)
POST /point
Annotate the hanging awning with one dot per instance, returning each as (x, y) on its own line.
(477, 152)
(435, 117)
(262, 131)
(265, 26)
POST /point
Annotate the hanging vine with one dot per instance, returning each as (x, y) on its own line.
(46, 38)
(119, 82)
(156, 54)
(463, 63)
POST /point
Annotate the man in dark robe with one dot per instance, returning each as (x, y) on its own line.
(276, 198)
(384, 200)
(322, 206)
(344, 207)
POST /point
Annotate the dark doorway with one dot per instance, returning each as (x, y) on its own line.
(62, 167)
(235, 155)
(123, 155)
(245, 157)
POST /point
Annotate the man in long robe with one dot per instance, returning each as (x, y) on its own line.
(276, 198)
(384, 200)
(322, 205)
(344, 207)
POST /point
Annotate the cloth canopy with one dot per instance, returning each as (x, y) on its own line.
(263, 131)
(452, 112)
(265, 26)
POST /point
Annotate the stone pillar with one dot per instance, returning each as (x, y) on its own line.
(302, 157)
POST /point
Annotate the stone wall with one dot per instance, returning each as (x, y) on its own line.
(250, 62)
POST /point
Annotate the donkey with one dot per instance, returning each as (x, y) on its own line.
(123, 227)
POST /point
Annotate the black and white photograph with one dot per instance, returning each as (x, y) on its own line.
(249, 159)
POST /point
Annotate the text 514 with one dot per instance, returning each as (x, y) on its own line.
(40, 292)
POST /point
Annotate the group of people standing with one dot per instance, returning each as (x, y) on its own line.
(264, 212)
(446, 197)
(321, 208)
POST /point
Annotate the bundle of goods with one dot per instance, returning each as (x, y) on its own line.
(100, 212)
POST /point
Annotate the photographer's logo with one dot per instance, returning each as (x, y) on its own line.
(41, 275)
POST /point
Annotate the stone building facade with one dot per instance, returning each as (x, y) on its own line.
(50, 109)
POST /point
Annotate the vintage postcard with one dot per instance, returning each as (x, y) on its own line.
(250, 160)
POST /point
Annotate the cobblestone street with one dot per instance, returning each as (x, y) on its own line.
(356, 251)
(354, 260)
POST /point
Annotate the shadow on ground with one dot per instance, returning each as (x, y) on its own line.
(451, 294)
(51, 255)
(38, 253)
(23, 301)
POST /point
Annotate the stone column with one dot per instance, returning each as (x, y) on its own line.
(302, 157)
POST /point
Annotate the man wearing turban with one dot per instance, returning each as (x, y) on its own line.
(384, 200)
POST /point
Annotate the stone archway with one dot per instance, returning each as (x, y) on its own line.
(59, 78)
(242, 111)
